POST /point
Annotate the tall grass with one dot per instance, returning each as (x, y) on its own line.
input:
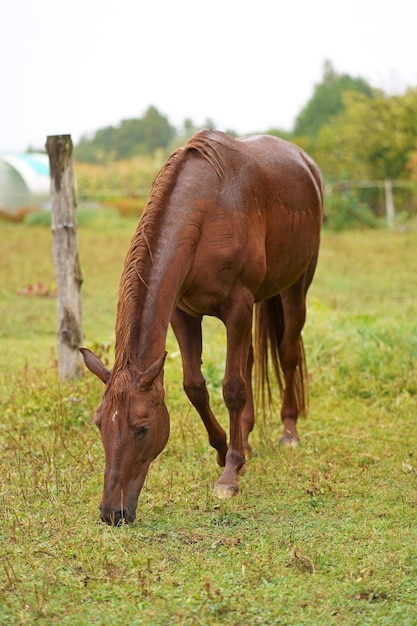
(322, 534)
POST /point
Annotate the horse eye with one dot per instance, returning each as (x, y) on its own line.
(142, 430)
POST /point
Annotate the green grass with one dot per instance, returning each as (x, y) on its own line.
(323, 534)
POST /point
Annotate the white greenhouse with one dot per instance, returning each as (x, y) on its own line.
(24, 182)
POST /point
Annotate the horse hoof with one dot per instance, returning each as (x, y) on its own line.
(289, 442)
(224, 492)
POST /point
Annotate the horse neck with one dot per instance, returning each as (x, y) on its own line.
(154, 270)
(158, 260)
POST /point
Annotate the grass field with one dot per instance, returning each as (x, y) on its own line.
(322, 534)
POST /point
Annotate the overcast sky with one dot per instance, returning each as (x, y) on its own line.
(73, 66)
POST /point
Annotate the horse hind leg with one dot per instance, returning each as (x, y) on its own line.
(248, 413)
(292, 359)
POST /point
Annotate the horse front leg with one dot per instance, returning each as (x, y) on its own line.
(187, 330)
(237, 317)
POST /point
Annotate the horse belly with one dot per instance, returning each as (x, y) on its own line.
(290, 245)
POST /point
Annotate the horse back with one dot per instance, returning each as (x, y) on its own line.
(260, 175)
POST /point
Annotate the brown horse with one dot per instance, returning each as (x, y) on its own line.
(229, 223)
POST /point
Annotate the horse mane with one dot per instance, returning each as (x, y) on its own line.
(139, 256)
(206, 143)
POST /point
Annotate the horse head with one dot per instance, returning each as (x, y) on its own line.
(134, 427)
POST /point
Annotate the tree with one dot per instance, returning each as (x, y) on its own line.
(327, 101)
(412, 166)
(134, 136)
(157, 131)
(370, 144)
(373, 138)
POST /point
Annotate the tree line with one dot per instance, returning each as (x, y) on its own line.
(356, 134)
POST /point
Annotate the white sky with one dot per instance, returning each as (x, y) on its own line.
(73, 66)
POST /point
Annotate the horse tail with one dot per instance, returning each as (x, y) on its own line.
(269, 325)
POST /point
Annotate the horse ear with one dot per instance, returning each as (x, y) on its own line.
(148, 377)
(95, 365)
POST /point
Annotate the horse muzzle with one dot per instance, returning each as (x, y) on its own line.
(117, 517)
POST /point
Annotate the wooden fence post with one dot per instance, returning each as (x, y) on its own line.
(389, 203)
(66, 260)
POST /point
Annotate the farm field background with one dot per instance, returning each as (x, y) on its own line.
(322, 534)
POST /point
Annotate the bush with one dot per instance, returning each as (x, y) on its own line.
(38, 218)
(342, 210)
